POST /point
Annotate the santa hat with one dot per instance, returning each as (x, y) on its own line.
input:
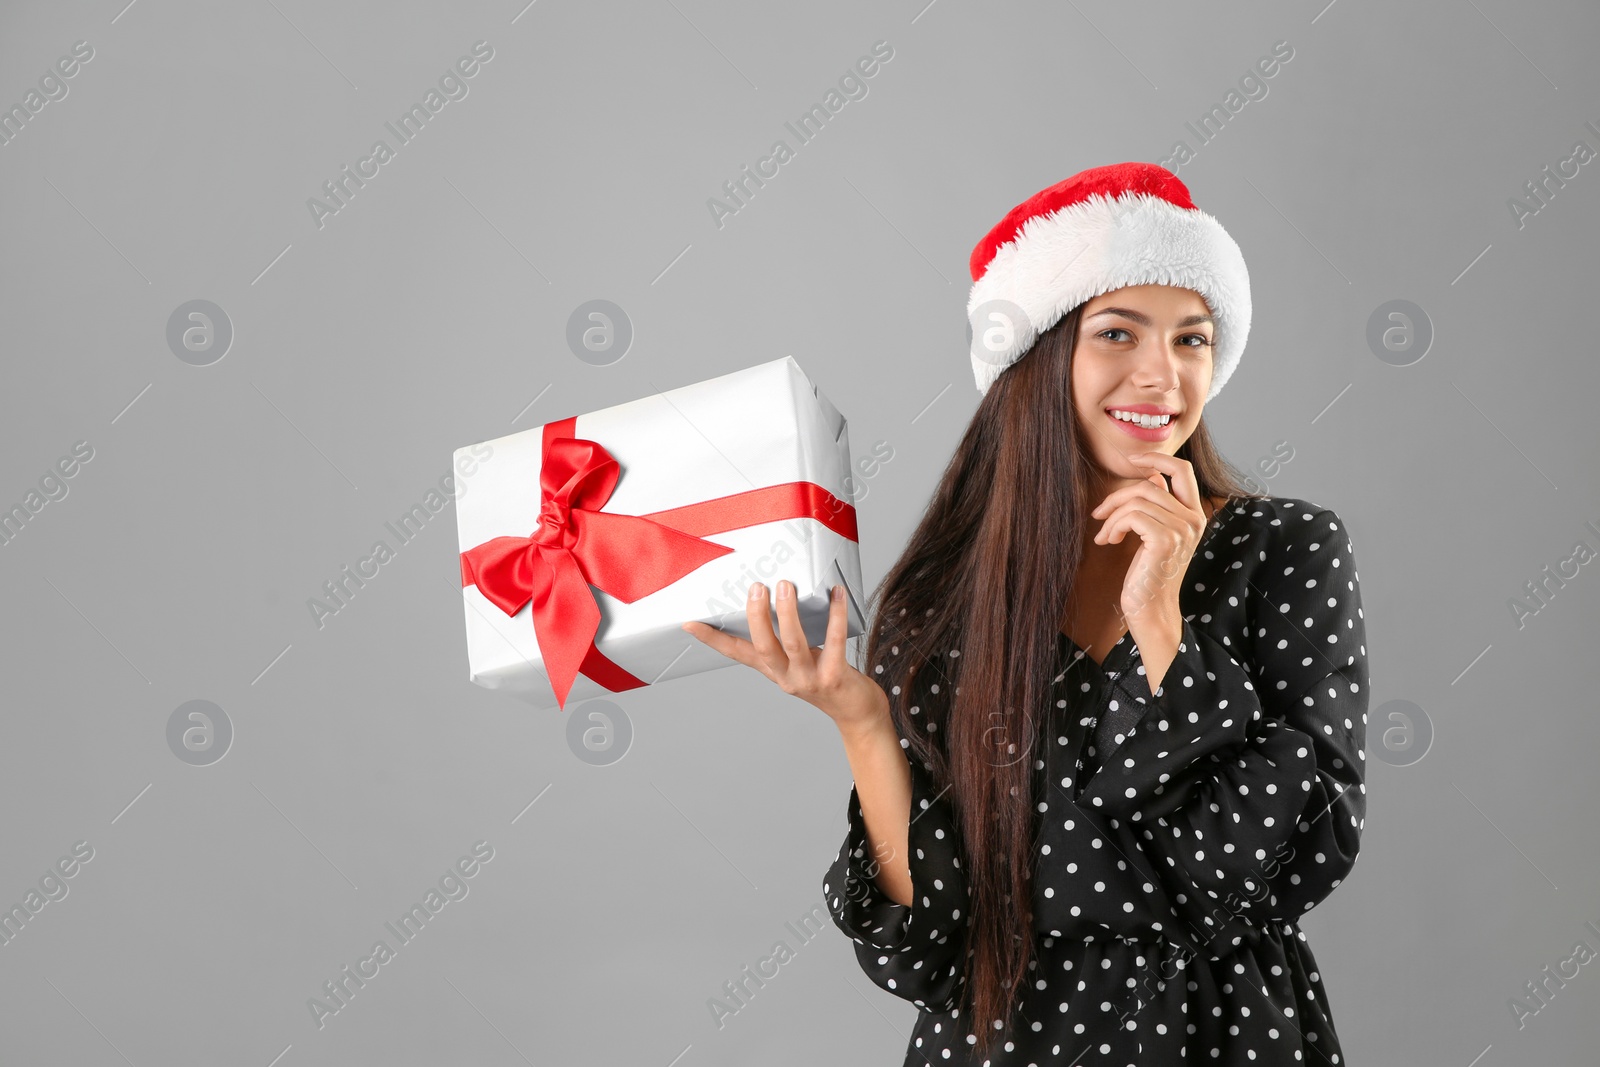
(1099, 230)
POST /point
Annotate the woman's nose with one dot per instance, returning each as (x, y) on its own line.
(1155, 368)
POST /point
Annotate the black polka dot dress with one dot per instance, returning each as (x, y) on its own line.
(1180, 835)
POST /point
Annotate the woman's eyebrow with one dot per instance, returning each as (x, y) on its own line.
(1144, 320)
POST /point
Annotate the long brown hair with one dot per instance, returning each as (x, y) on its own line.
(989, 571)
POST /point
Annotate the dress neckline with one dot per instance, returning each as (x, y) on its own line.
(1067, 645)
(1103, 665)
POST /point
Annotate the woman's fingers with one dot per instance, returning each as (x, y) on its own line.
(1152, 526)
(1182, 496)
(793, 638)
(767, 648)
(1153, 488)
(817, 674)
(774, 654)
(788, 650)
(798, 662)
(735, 648)
(832, 661)
(1185, 486)
(1176, 506)
(1164, 509)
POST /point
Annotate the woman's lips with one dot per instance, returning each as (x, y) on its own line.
(1160, 433)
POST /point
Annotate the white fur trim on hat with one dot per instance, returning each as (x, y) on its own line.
(1059, 260)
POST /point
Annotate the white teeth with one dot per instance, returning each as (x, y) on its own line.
(1149, 422)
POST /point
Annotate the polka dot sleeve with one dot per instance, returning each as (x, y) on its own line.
(1250, 792)
(1317, 627)
(914, 951)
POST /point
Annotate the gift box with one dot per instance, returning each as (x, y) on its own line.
(587, 542)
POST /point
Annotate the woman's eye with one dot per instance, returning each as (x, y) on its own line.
(1188, 340)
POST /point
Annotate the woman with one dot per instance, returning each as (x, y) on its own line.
(1098, 777)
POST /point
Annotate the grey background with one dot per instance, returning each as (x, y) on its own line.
(432, 311)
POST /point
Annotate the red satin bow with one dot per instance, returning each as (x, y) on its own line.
(577, 545)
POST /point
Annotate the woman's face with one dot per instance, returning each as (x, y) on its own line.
(1141, 349)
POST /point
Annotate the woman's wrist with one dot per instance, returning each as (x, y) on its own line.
(872, 718)
(1158, 636)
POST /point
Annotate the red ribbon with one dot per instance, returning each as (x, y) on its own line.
(577, 545)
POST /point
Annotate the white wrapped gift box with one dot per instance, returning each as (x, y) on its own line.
(754, 464)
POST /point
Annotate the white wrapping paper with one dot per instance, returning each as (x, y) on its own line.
(764, 426)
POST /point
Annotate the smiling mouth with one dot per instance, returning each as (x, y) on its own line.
(1143, 422)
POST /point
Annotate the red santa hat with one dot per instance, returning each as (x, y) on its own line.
(1099, 230)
